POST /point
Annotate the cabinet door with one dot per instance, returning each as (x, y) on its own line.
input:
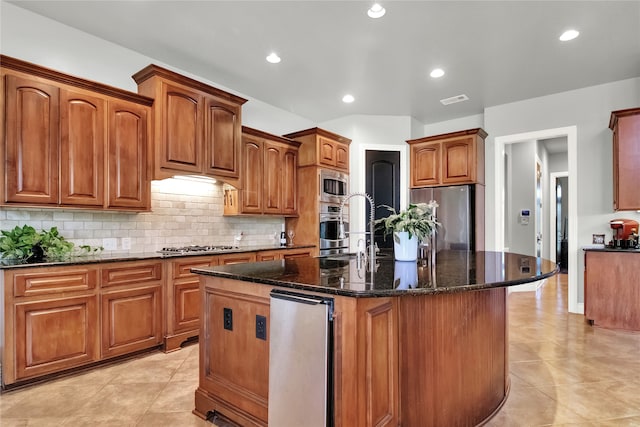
(268, 255)
(272, 178)
(32, 141)
(222, 138)
(342, 156)
(627, 163)
(128, 186)
(131, 320)
(458, 161)
(327, 151)
(55, 334)
(253, 167)
(289, 175)
(82, 142)
(425, 169)
(181, 141)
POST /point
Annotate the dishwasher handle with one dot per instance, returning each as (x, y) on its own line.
(303, 299)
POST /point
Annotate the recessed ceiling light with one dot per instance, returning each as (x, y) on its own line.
(273, 58)
(348, 99)
(438, 72)
(569, 35)
(376, 11)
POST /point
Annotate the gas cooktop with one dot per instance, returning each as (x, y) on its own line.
(206, 249)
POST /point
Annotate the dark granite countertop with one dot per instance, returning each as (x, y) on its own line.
(453, 271)
(609, 249)
(6, 264)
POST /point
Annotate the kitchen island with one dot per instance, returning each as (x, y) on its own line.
(414, 344)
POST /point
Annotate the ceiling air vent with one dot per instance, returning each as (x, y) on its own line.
(454, 99)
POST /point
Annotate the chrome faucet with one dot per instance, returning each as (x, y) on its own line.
(342, 234)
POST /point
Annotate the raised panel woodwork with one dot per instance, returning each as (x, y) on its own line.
(31, 141)
(272, 178)
(425, 168)
(626, 158)
(222, 133)
(612, 294)
(253, 175)
(131, 273)
(55, 335)
(378, 361)
(59, 130)
(241, 381)
(128, 185)
(342, 156)
(268, 255)
(237, 258)
(45, 281)
(289, 176)
(297, 253)
(131, 320)
(82, 146)
(322, 148)
(448, 159)
(181, 121)
(327, 150)
(197, 125)
(182, 318)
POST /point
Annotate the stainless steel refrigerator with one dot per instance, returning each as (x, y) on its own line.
(460, 213)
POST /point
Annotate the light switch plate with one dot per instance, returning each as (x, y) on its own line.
(126, 243)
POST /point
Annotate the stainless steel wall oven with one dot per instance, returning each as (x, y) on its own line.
(330, 241)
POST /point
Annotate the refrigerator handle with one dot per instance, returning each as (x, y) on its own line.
(301, 298)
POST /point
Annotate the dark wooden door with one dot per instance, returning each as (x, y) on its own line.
(382, 169)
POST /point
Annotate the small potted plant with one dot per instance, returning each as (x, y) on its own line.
(409, 227)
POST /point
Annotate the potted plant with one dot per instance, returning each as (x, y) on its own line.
(25, 243)
(409, 227)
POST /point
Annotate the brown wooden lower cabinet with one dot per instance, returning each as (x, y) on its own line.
(612, 290)
(419, 360)
(55, 334)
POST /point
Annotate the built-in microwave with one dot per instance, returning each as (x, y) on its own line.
(333, 186)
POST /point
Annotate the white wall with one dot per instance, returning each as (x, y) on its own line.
(521, 196)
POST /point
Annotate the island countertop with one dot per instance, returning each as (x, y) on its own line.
(452, 271)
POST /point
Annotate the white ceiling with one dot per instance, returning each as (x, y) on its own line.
(495, 52)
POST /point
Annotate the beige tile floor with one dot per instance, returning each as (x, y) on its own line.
(563, 373)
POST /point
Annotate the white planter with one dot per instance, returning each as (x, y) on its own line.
(405, 249)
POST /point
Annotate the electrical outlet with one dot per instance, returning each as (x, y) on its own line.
(126, 243)
(110, 244)
(227, 319)
(261, 327)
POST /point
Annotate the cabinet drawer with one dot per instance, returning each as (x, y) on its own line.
(182, 268)
(51, 282)
(123, 274)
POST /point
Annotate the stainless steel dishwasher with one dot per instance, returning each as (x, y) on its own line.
(300, 360)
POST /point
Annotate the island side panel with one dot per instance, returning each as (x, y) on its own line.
(452, 357)
(234, 364)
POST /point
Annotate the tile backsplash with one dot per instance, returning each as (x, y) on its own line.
(183, 213)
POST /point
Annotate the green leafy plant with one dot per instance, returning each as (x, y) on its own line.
(417, 220)
(18, 243)
(26, 243)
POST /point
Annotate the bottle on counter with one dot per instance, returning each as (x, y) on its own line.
(283, 239)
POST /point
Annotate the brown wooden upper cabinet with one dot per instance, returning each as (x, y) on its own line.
(625, 125)
(448, 159)
(71, 142)
(197, 126)
(322, 148)
(269, 176)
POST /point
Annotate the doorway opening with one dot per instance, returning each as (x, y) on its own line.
(382, 182)
(570, 133)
